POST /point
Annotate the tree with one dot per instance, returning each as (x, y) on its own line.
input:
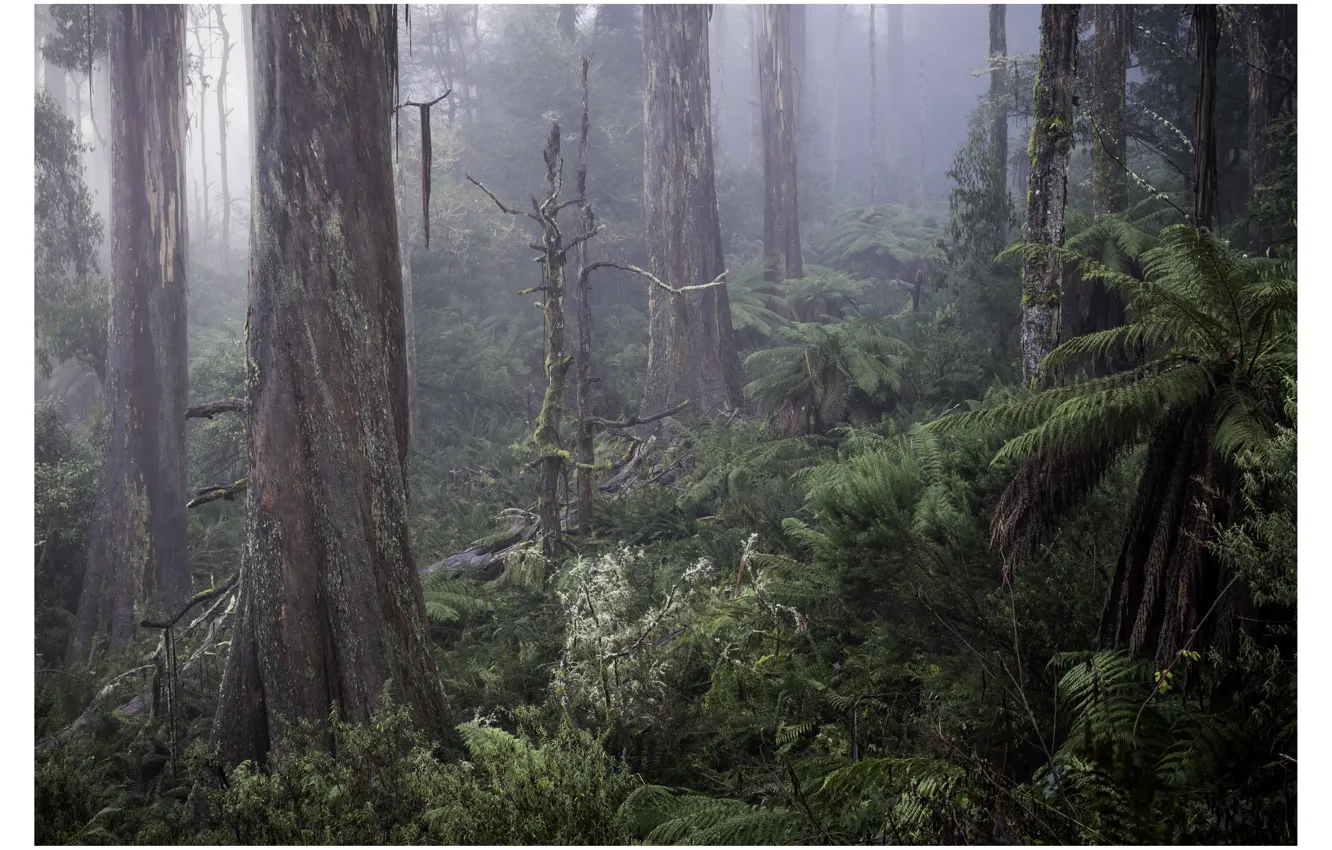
(1269, 48)
(1217, 330)
(1208, 34)
(330, 609)
(781, 218)
(137, 563)
(999, 101)
(1051, 144)
(53, 75)
(223, 115)
(692, 355)
(873, 112)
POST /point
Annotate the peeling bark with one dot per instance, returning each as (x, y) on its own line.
(692, 354)
(138, 564)
(781, 219)
(1051, 144)
(330, 609)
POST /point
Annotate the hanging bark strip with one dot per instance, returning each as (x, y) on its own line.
(425, 156)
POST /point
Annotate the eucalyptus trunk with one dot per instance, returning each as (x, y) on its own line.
(330, 610)
(138, 564)
(1051, 144)
(1269, 83)
(222, 135)
(873, 113)
(692, 355)
(781, 208)
(999, 103)
(1208, 33)
(1109, 138)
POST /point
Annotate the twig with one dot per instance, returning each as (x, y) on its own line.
(717, 281)
(426, 105)
(497, 201)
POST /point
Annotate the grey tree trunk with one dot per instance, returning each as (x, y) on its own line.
(781, 209)
(1109, 139)
(583, 437)
(692, 354)
(1270, 74)
(1051, 144)
(873, 112)
(201, 112)
(330, 609)
(404, 204)
(895, 80)
(138, 565)
(999, 103)
(1204, 114)
(834, 126)
(222, 135)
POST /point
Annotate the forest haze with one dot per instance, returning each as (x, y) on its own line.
(678, 424)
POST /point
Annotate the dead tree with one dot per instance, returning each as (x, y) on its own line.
(586, 454)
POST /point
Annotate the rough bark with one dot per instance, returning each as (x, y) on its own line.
(873, 112)
(330, 610)
(1271, 74)
(1109, 175)
(781, 220)
(222, 134)
(583, 438)
(1051, 144)
(1208, 34)
(692, 354)
(138, 564)
(999, 103)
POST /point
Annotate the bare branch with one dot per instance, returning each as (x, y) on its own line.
(497, 201)
(638, 420)
(581, 238)
(218, 491)
(718, 281)
(406, 103)
(195, 600)
(213, 408)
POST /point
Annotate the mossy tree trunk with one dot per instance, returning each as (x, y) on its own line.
(1208, 34)
(692, 354)
(999, 103)
(1051, 144)
(781, 207)
(138, 563)
(330, 608)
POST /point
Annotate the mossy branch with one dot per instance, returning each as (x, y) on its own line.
(217, 491)
(210, 409)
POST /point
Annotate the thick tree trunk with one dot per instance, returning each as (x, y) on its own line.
(999, 103)
(247, 35)
(330, 608)
(895, 82)
(756, 86)
(222, 135)
(719, 16)
(1204, 114)
(1109, 174)
(1051, 144)
(138, 565)
(692, 354)
(873, 112)
(1270, 75)
(781, 219)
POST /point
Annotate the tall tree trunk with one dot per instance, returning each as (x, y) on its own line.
(586, 450)
(873, 113)
(1109, 174)
(567, 21)
(247, 35)
(547, 435)
(756, 86)
(404, 204)
(222, 135)
(1270, 74)
(138, 564)
(834, 126)
(781, 220)
(719, 17)
(692, 354)
(920, 146)
(201, 112)
(999, 103)
(1051, 144)
(53, 76)
(330, 609)
(895, 82)
(802, 82)
(1204, 115)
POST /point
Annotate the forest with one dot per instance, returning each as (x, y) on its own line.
(665, 424)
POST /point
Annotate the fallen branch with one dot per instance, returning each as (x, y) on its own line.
(213, 408)
(194, 600)
(637, 420)
(217, 491)
(717, 281)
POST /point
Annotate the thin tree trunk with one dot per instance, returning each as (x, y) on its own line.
(920, 147)
(873, 112)
(222, 135)
(201, 112)
(557, 362)
(247, 34)
(835, 126)
(404, 204)
(1263, 36)
(781, 220)
(138, 564)
(756, 87)
(329, 610)
(586, 450)
(999, 103)
(692, 354)
(1051, 144)
(1204, 113)
(895, 82)
(1109, 140)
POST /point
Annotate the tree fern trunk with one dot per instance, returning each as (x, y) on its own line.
(330, 608)
(1051, 144)
(138, 564)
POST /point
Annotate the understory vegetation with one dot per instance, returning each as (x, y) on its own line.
(904, 597)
